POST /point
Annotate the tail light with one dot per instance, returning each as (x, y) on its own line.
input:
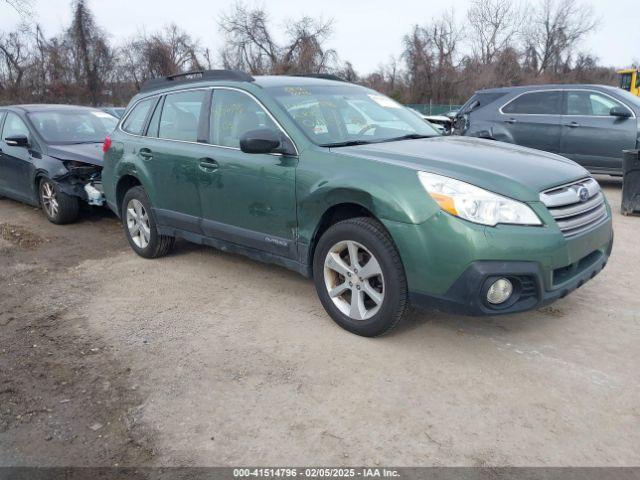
(106, 145)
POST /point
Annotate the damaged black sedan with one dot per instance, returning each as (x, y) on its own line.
(51, 157)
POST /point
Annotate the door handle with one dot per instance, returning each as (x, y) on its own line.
(145, 153)
(208, 165)
(572, 124)
(511, 120)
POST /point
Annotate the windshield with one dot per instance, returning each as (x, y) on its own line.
(334, 115)
(625, 81)
(629, 98)
(74, 126)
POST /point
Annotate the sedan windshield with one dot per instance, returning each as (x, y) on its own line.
(349, 115)
(73, 126)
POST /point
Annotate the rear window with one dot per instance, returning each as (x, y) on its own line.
(480, 100)
(136, 119)
(181, 115)
(536, 103)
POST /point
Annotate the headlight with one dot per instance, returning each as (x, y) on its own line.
(476, 204)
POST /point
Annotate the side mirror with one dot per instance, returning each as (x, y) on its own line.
(17, 141)
(265, 140)
(619, 111)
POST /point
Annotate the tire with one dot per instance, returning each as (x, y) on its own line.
(140, 226)
(58, 207)
(367, 240)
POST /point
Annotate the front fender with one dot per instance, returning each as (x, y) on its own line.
(389, 192)
(44, 165)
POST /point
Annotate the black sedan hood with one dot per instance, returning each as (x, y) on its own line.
(84, 152)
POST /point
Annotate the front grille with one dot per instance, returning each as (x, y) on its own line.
(576, 207)
(528, 287)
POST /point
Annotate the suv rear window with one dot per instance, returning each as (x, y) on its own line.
(536, 103)
(480, 100)
(136, 119)
(181, 115)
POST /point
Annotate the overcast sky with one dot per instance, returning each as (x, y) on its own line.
(366, 32)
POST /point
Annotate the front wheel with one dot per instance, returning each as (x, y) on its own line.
(58, 207)
(360, 278)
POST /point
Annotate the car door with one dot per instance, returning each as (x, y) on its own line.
(172, 154)
(533, 119)
(15, 162)
(593, 137)
(2, 174)
(247, 199)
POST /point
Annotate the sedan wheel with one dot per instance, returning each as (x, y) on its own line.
(354, 280)
(138, 223)
(49, 199)
(59, 207)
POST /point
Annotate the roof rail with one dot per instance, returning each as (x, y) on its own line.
(195, 76)
(324, 76)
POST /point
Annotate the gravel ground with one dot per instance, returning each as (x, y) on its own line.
(208, 358)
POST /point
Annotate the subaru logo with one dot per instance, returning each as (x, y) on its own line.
(583, 194)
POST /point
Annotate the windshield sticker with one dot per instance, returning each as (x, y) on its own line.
(298, 91)
(102, 115)
(384, 101)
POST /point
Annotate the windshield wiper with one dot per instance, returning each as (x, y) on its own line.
(348, 143)
(410, 136)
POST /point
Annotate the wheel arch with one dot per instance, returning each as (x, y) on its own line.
(125, 183)
(38, 175)
(334, 214)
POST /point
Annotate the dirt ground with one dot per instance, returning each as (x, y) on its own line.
(207, 358)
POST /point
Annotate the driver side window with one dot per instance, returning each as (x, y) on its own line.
(14, 126)
(234, 113)
(587, 103)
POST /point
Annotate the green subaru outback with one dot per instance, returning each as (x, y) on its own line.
(343, 184)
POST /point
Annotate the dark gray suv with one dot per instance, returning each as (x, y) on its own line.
(590, 124)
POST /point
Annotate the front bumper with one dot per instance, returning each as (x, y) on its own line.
(450, 263)
(468, 294)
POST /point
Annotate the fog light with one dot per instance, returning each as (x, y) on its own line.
(499, 291)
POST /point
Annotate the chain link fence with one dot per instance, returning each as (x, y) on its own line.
(433, 108)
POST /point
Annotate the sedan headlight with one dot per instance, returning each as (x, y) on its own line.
(476, 204)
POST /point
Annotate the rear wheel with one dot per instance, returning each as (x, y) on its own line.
(359, 277)
(140, 226)
(58, 207)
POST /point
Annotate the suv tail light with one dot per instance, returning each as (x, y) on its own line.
(106, 145)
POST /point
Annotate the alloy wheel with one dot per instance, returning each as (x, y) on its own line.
(138, 223)
(49, 199)
(354, 280)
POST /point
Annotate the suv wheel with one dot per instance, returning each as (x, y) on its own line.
(140, 226)
(58, 207)
(359, 277)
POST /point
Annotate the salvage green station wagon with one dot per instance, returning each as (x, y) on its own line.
(346, 186)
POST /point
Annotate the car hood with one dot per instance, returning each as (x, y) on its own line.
(84, 152)
(510, 170)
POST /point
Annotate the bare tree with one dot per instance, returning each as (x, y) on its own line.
(14, 53)
(305, 52)
(251, 46)
(23, 7)
(91, 54)
(494, 26)
(556, 29)
(81, 65)
(166, 52)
